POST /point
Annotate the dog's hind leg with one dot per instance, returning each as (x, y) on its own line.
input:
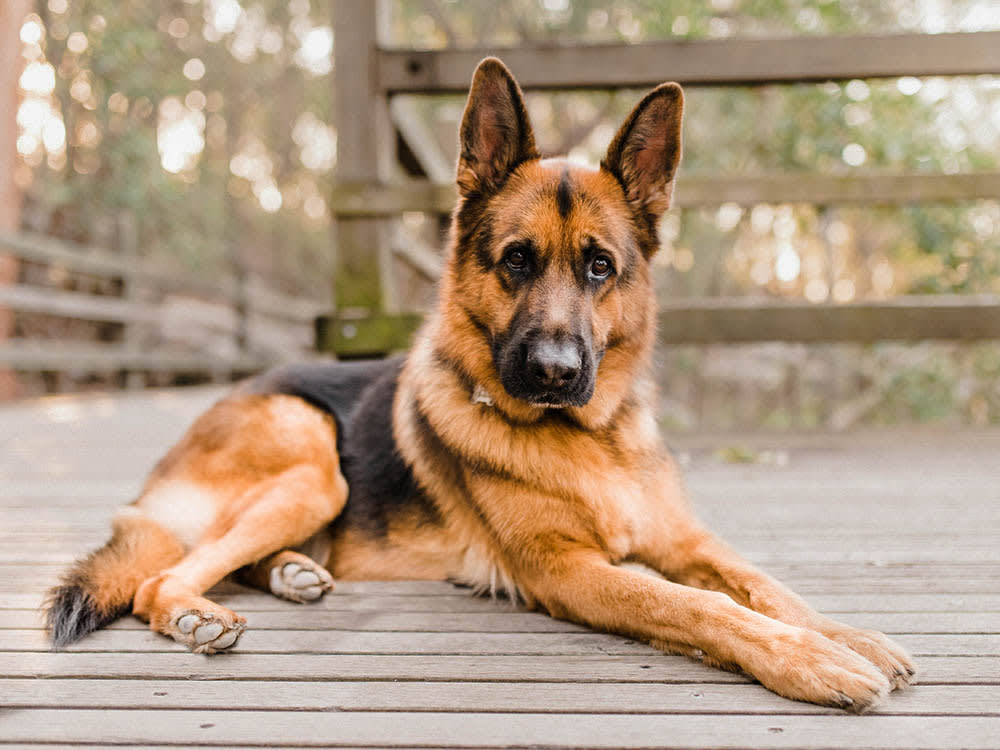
(279, 512)
(289, 574)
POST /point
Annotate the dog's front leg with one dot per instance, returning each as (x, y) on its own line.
(580, 584)
(675, 544)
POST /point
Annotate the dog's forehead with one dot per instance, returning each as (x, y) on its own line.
(574, 176)
(559, 164)
(559, 198)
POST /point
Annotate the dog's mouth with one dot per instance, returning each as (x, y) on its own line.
(555, 400)
(579, 394)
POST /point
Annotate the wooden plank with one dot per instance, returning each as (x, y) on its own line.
(77, 305)
(458, 643)
(695, 191)
(421, 140)
(427, 261)
(363, 198)
(414, 589)
(716, 320)
(98, 262)
(316, 728)
(52, 354)
(701, 191)
(626, 698)
(355, 332)
(340, 642)
(738, 61)
(909, 318)
(655, 667)
(962, 620)
(49, 301)
(310, 618)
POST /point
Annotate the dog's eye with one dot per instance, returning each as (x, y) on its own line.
(600, 267)
(516, 260)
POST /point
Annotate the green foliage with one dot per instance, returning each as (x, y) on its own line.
(203, 217)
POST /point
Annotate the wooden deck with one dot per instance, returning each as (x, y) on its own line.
(892, 530)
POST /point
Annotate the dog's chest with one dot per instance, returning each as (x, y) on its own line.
(617, 515)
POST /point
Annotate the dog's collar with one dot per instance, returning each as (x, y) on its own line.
(481, 396)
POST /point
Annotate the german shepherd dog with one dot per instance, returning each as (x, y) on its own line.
(514, 448)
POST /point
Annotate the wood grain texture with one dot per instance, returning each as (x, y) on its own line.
(320, 728)
(894, 530)
(359, 198)
(699, 62)
(627, 698)
(652, 667)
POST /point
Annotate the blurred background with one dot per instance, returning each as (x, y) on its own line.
(171, 187)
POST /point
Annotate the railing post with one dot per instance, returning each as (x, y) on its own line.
(366, 153)
(137, 335)
(12, 13)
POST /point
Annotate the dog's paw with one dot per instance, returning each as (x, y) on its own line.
(299, 579)
(206, 632)
(889, 657)
(807, 666)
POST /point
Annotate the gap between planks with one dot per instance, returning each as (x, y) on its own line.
(956, 700)
(651, 668)
(517, 622)
(439, 644)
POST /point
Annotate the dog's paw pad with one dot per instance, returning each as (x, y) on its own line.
(205, 633)
(303, 581)
(187, 623)
(890, 658)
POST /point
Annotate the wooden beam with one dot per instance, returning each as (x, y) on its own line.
(97, 262)
(420, 138)
(424, 259)
(12, 16)
(365, 152)
(370, 199)
(74, 356)
(909, 318)
(744, 62)
(366, 336)
(101, 263)
(716, 320)
(694, 191)
(45, 301)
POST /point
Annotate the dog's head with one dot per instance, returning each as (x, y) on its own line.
(549, 259)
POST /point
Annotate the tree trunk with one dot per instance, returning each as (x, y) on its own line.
(12, 13)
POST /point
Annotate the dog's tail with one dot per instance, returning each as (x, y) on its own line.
(99, 588)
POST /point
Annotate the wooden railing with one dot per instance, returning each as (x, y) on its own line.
(170, 322)
(696, 191)
(740, 62)
(369, 75)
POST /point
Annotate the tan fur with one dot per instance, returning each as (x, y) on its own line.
(545, 503)
(267, 468)
(138, 548)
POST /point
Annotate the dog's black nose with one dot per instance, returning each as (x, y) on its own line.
(553, 364)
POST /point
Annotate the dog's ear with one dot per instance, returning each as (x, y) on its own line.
(647, 149)
(495, 135)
